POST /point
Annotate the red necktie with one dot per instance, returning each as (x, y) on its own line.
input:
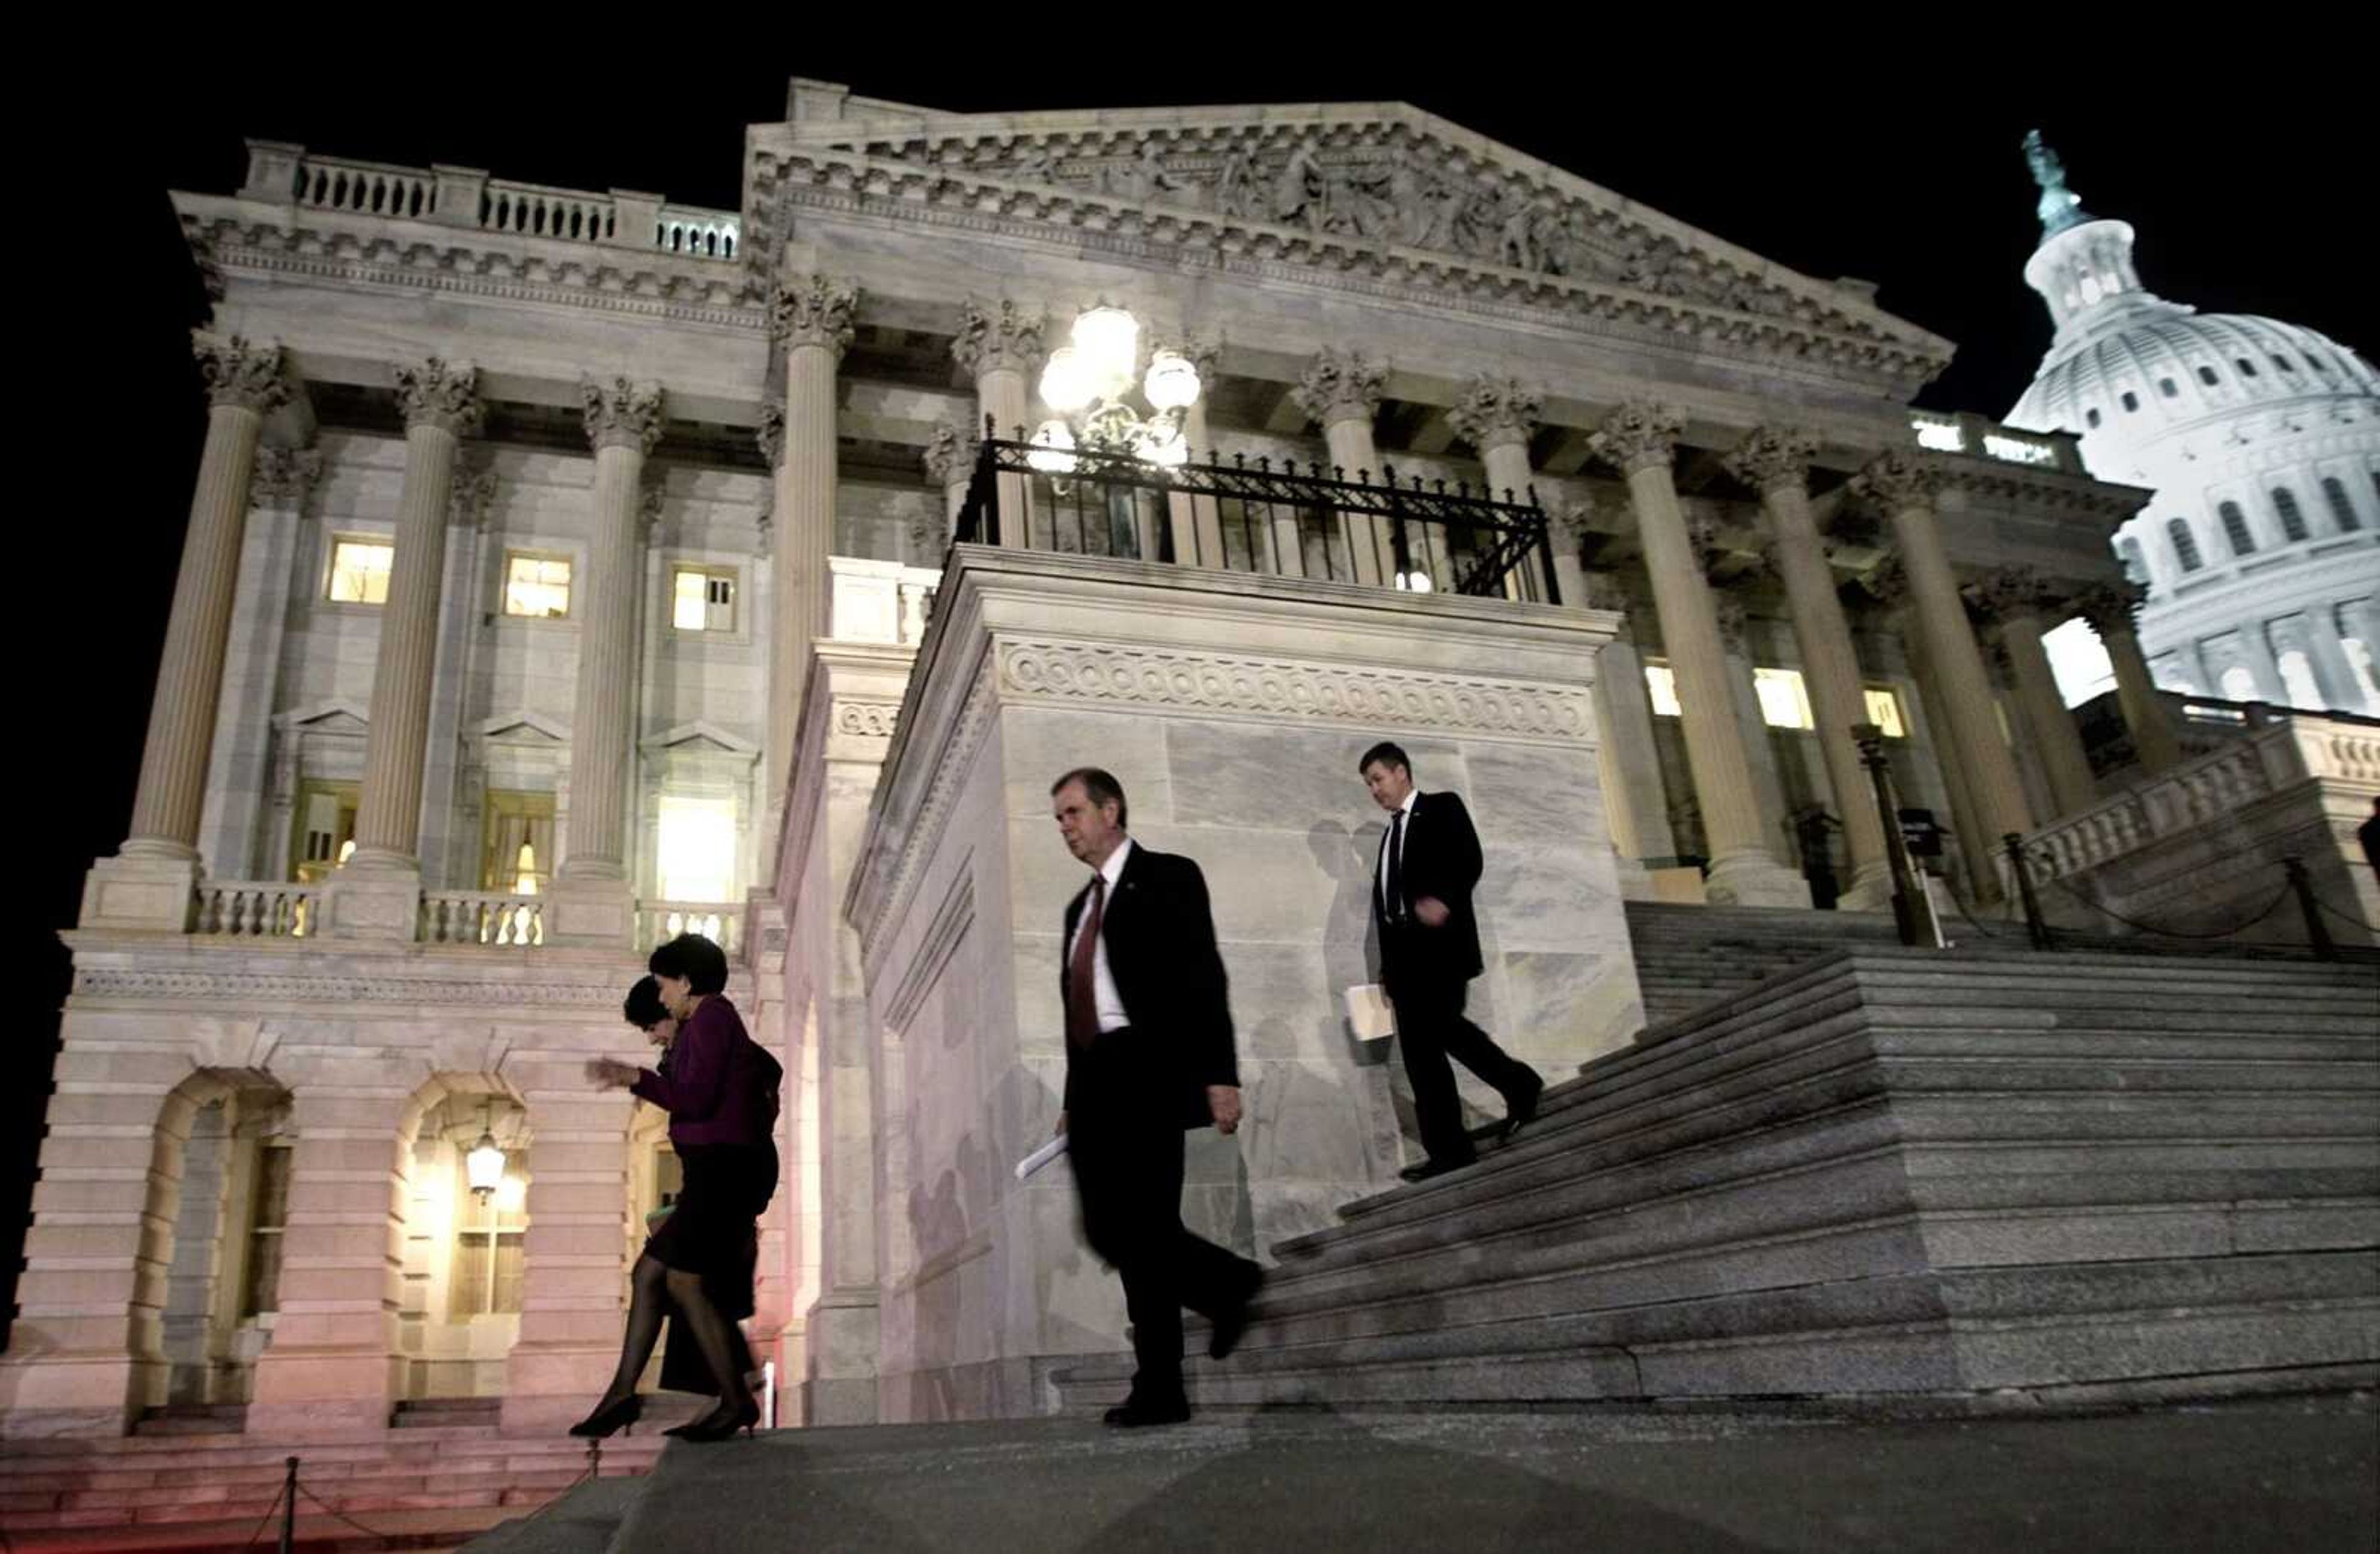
(1082, 972)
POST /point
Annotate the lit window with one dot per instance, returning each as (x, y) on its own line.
(1883, 711)
(360, 571)
(2168, 387)
(322, 830)
(1662, 687)
(2206, 375)
(2185, 544)
(702, 600)
(2247, 369)
(2077, 662)
(537, 585)
(486, 1275)
(516, 842)
(2235, 528)
(1783, 701)
(696, 850)
(2342, 510)
(1942, 436)
(2285, 503)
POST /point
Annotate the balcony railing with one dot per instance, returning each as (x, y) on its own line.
(722, 922)
(255, 909)
(468, 198)
(1259, 516)
(497, 920)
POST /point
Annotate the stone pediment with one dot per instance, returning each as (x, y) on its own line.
(696, 738)
(521, 728)
(333, 717)
(1382, 191)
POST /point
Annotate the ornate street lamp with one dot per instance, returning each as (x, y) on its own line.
(1087, 382)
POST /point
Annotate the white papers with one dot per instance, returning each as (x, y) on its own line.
(1370, 1013)
(1041, 1157)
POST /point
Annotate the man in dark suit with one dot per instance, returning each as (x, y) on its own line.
(1429, 951)
(1148, 1054)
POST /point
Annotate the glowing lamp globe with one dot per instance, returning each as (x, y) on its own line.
(485, 1166)
(1065, 383)
(1172, 383)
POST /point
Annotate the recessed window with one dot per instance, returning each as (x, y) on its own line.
(2090, 417)
(2284, 363)
(2132, 402)
(322, 828)
(2285, 503)
(268, 1222)
(2318, 364)
(2342, 510)
(2185, 544)
(1784, 703)
(2235, 528)
(2206, 375)
(1661, 687)
(702, 599)
(360, 571)
(1883, 711)
(2168, 387)
(2247, 369)
(535, 586)
(695, 851)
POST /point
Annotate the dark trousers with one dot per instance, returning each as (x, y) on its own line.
(1124, 1132)
(1430, 1029)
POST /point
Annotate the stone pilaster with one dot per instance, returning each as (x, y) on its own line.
(1340, 391)
(1640, 438)
(1903, 488)
(2015, 598)
(578, 1192)
(2113, 609)
(950, 463)
(149, 883)
(811, 318)
(1774, 461)
(1497, 416)
(591, 902)
(999, 344)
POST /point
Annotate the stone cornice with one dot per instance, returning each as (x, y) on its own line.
(2036, 490)
(1561, 248)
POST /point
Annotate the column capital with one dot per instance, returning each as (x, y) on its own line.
(1771, 457)
(997, 337)
(951, 453)
(771, 435)
(623, 414)
(651, 500)
(1568, 523)
(285, 476)
(440, 393)
(473, 495)
(1703, 538)
(1638, 435)
(2009, 593)
(1896, 481)
(1494, 412)
(1340, 386)
(2111, 606)
(1202, 354)
(240, 373)
(814, 310)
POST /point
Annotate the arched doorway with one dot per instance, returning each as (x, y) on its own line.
(219, 1182)
(465, 1229)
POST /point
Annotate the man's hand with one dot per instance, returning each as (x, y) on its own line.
(610, 1072)
(1223, 1102)
(1060, 1131)
(1431, 911)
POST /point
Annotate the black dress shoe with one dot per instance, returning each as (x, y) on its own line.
(720, 1423)
(1525, 1110)
(1134, 1414)
(621, 1414)
(1232, 1321)
(1428, 1169)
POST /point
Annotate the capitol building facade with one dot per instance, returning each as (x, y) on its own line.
(569, 569)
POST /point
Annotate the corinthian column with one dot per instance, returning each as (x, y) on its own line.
(2112, 609)
(623, 422)
(811, 318)
(440, 403)
(2015, 597)
(1001, 346)
(1774, 461)
(1498, 416)
(1341, 390)
(1904, 488)
(1639, 438)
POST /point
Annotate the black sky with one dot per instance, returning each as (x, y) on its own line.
(1815, 147)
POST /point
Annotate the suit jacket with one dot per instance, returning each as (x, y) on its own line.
(1161, 952)
(1441, 859)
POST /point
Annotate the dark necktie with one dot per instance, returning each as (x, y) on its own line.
(1082, 972)
(1392, 878)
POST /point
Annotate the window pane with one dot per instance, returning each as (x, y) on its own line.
(689, 605)
(1783, 702)
(537, 585)
(698, 848)
(359, 572)
(1883, 711)
(1662, 687)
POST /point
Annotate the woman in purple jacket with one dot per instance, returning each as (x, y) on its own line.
(721, 1092)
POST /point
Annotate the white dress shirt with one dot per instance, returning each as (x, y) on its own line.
(1103, 988)
(1380, 870)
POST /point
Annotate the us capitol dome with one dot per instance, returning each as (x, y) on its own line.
(2261, 551)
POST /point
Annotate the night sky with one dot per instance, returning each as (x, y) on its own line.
(2248, 183)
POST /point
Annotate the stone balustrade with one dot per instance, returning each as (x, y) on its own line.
(722, 922)
(466, 197)
(880, 600)
(498, 919)
(255, 909)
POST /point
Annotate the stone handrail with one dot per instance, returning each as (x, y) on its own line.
(470, 198)
(722, 922)
(255, 909)
(879, 600)
(505, 918)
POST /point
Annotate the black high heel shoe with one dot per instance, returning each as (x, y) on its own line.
(620, 1416)
(720, 1424)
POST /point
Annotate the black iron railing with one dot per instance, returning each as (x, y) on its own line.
(1260, 515)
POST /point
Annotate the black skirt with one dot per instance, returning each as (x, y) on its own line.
(712, 1232)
